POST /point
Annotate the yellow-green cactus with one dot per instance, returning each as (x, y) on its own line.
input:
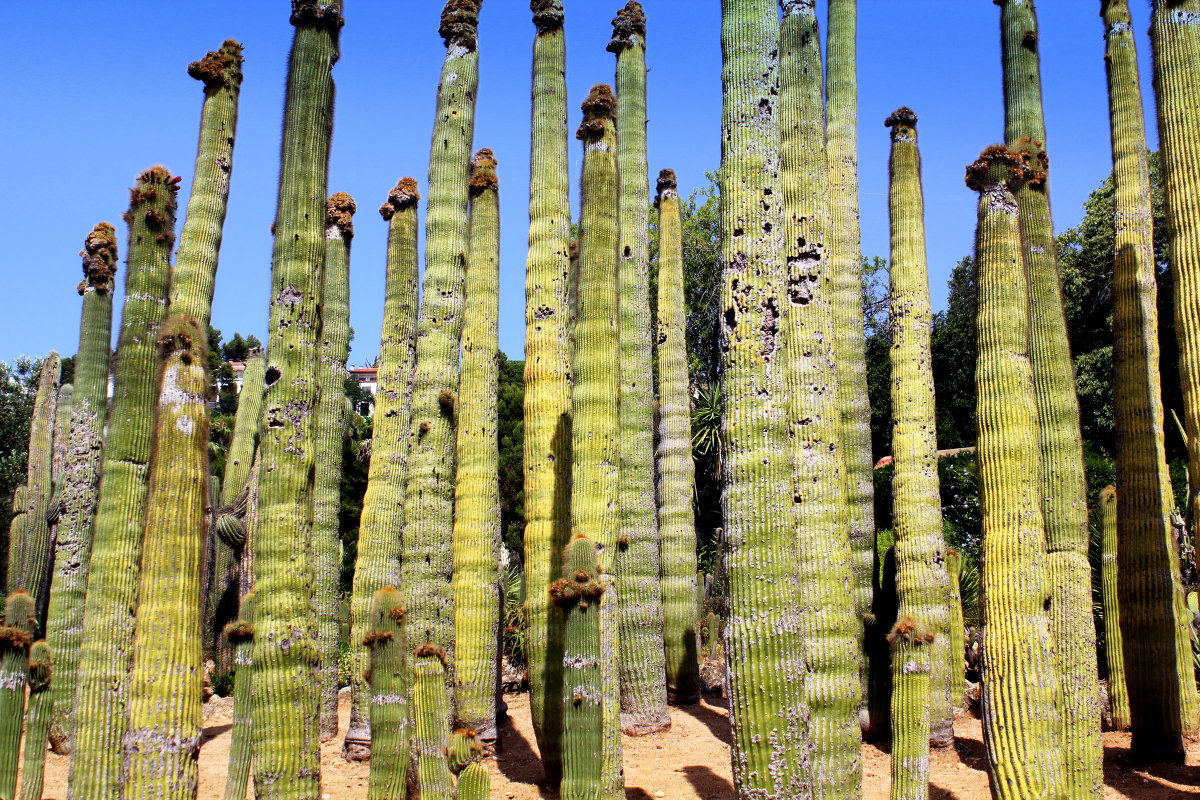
(472, 781)
(676, 471)
(163, 741)
(922, 585)
(16, 634)
(382, 524)
(106, 648)
(1022, 724)
(431, 722)
(547, 404)
(1114, 650)
(240, 634)
(958, 633)
(388, 699)
(476, 582)
(37, 722)
(912, 679)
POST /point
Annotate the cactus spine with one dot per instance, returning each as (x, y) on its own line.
(825, 613)
(284, 740)
(240, 634)
(388, 696)
(106, 649)
(845, 269)
(382, 522)
(922, 584)
(1175, 36)
(958, 633)
(676, 471)
(16, 634)
(912, 679)
(332, 421)
(638, 560)
(1064, 490)
(547, 444)
(81, 476)
(1118, 694)
(1021, 723)
(431, 729)
(476, 583)
(163, 741)
(37, 722)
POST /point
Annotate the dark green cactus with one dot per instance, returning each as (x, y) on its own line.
(388, 679)
(431, 728)
(16, 634)
(37, 722)
(240, 634)
(912, 674)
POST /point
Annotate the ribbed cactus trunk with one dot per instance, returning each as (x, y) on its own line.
(15, 525)
(388, 696)
(163, 741)
(845, 268)
(676, 471)
(912, 686)
(958, 632)
(762, 647)
(38, 716)
(382, 524)
(638, 561)
(16, 634)
(332, 423)
(1114, 650)
(922, 585)
(81, 476)
(240, 634)
(106, 649)
(476, 583)
(431, 723)
(1175, 36)
(1063, 488)
(824, 615)
(1022, 725)
(285, 700)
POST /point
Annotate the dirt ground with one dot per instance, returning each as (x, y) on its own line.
(688, 762)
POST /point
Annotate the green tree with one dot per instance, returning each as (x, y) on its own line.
(510, 413)
(18, 390)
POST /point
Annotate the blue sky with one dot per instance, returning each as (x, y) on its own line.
(93, 95)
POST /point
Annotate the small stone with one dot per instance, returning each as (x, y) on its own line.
(660, 793)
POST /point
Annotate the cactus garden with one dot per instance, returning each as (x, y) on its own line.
(690, 465)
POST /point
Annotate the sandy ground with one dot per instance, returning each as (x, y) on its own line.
(688, 762)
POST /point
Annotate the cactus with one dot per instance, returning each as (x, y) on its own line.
(382, 522)
(427, 562)
(921, 580)
(1021, 722)
(16, 634)
(1175, 37)
(845, 270)
(1063, 490)
(547, 404)
(476, 583)
(106, 648)
(17, 523)
(285, 749)
(200, 239)
(388, 696)
(240, 634)
(912, 686)
(826, 618)
(958, 633)
(163, 741)
(472, 781)
(29, 550)
(761, 644)
(1118, 694)
(62, 441)
(332, 422)
(37, 722)
(81, 476)
(638, 560)
(676, 471)
(431, 715)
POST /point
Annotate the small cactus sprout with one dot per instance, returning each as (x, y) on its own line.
(37, 722)
(388, 697)
(16, 635)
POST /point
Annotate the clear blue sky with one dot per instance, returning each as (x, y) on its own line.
(93, 95)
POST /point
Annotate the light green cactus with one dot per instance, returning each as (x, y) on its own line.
(912, 678)
(240, 634)
(472, 781)
(16, 524)
(37, 722)
(16, 634)
(106, 646)
(958, 632)
(1114, 649)
(388, 679)
(162, 744)
(431, 723)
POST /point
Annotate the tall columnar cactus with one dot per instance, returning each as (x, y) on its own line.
(200, 239)
(547, 442)
(29, 551)
(958, 633)
(16, 524)
(332, 423)
(922, 584)
(1022, 727)
(1114, 651)
(431, 722)
(284, 741)
(845, 268)
(912, 679)
(62, 440)
(476, 583)
(676, 472)
(1175, 36)
(163, 741)
(16, 634)
(388, 679)
(763, 648)
(37, 722)
(240, 634)
(826, 619)
(379, 532)
(81, 476)
(106, 649)
(638, 562)
(1063, 488)
(429, 498)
